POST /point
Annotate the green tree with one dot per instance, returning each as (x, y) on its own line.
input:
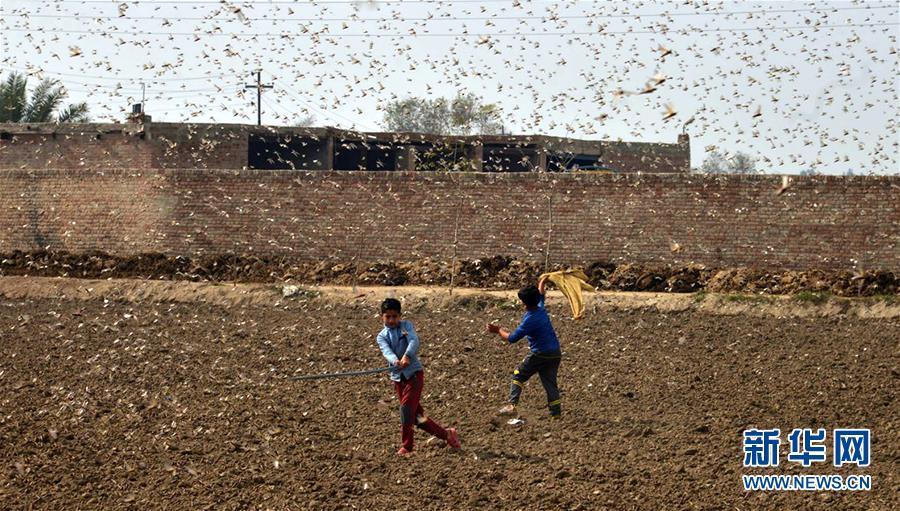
(463, 115)
(468, 115)
(44, 105)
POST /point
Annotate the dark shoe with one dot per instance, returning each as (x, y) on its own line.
(555, 409)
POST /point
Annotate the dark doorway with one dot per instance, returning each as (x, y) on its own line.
(508, 158)
(564, 162)
(277, 151)
(349, 155)
(381, 157)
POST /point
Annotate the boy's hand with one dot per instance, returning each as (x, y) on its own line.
(403, 362)
(542, 285)
(494, 329)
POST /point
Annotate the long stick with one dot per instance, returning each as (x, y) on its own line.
(455, 238)
(340, 375)
(549, 232)
(356, 267)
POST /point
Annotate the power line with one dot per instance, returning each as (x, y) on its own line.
(280, 111)
(328, 114)
(462, 18)
(136, 89)
(274, 2)
(105, 87)
(156, 93)
(100, 89)
(122, 78)
(333, 115)
(327, 35)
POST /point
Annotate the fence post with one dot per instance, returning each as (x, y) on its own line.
(356, 269)
(549, 232)
(455, 243)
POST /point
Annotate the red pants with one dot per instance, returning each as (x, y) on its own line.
(411, 413)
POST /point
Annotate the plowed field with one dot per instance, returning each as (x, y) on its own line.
(123, 405)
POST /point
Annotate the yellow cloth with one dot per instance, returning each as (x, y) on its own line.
(571, 283)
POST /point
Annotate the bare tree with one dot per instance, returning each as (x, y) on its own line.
(714, 163)
(740, 163)
(305, 121)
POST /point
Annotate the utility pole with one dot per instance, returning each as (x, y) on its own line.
(259, 88)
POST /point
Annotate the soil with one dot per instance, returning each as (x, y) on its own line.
(107, 403)
(496, 272)
(234, 294)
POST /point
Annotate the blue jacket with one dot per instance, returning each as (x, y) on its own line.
(536, 325)
(396, 342)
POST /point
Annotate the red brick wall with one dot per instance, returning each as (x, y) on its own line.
(88, 150)
(114, 211)
(647, 157)
(164, 146)
(206, 146)
(829, 222)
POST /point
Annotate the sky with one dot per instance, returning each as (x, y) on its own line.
(798, 85)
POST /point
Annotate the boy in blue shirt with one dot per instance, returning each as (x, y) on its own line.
(545, 353)
(400, 346)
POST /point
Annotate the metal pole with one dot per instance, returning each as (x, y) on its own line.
(259, 88)
(259, 97)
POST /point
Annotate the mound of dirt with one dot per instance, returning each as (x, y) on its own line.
(497, 272)
(840, 283)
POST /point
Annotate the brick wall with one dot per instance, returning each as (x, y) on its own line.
(652, 158)
(203, 146)
(87, 150)
(109, 146)
(828, 222)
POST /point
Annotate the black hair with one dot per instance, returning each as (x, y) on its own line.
(390, 304)
(530, 296)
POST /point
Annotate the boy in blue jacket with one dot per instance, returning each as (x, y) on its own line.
(545, 354)
(400, 346)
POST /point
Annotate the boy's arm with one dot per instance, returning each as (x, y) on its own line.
(386, 349)
(542, 285)
(497, 329)
(516, 334)
(413, 347)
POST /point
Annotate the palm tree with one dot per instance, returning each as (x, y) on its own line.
(46, 98)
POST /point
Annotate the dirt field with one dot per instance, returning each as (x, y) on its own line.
(182, 404)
